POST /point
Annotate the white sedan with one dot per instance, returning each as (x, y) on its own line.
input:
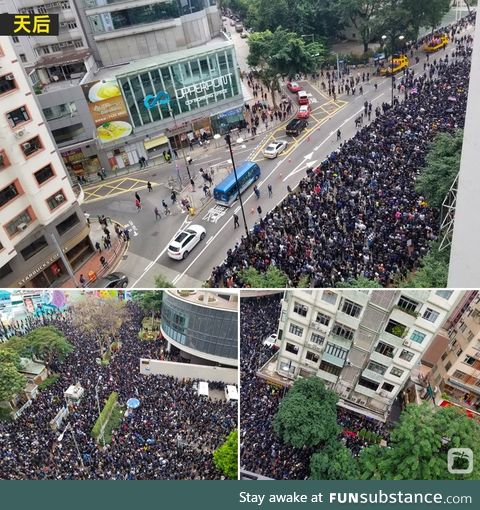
(185, 240)
(274, 149)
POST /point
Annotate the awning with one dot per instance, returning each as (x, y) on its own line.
(155, 142)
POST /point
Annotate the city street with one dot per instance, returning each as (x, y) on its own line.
(147, 257)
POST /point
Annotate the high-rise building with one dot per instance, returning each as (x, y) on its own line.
(40, 211)
(362, 343)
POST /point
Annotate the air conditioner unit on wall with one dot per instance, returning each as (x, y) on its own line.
(9, 77)
(407, 343)
(26, 145)
(20, 133)
(59, 197)
(22, 226)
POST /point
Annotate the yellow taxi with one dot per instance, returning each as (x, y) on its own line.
(400, 62)
(436, 43)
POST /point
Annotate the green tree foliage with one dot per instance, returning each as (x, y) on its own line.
(441, 169)
(419, 445)
(272, 278)
(433, 270)
(18, 344)
(163, 283)
(334, 462)
(149, 300)
(360, 282)
(434, 11)
(10, 356)
(307, 415)
(11, 381)
(105, 414)
(225, 456)
(360, 14)
(49, 344)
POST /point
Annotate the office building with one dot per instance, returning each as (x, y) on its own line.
(362, 343)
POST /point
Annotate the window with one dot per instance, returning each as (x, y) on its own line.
(317, 339)
(23, 57)
(388, 387)
(295, 330)
(18, 116)
(300, 309)
(351, 308)
(418, 337)
(4, 162)
(33, 248)
(385, 349)
(323, 319)
(458, 374)
(329, 297)
(8, 193)
(469, 336)
(311, 356)
(463, 328)
(377, 367)
(12, 226)
(329, 368)
(44, 174)
(444, 355)
(78, 43)
(31, 146)
(430, 315)
(396, 328)
(5, 270)
(445, 294)
(291, 348)
(407, 304)
(335, 350)
(56, 200)
(367, 383)
(7, 83)
(459, 352)
(406, 355)
(396, 372)
(448, 366)
(343, 331)
(286, 366)
(469, 360)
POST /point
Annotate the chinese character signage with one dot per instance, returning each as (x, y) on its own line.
(29, 24)
(107, 109)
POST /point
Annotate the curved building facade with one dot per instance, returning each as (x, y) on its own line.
(202, 324)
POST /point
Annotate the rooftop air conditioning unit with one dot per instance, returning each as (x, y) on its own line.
(383, 393)
(26, 145)
(21, 227)
(9, 77)
(407, 343)
(20, 133)
(59, 197)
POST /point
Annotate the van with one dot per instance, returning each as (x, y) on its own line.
(231, 393)
(296, 126)
(302, 97)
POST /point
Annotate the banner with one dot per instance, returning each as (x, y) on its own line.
(107, 109)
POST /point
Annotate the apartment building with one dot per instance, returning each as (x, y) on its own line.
(40, 212)
(362, 343)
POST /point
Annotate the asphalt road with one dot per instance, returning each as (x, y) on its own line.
(147, 256)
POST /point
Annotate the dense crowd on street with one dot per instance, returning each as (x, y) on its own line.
(170, 436)
(358, 214)
(262, 452)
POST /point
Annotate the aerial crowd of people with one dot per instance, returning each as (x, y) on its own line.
(261, 451)
(358, 214)
(170, 436)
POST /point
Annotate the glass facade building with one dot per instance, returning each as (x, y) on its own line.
(210, 331)
(201, 79)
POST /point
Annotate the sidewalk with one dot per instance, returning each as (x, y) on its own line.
(112, 255)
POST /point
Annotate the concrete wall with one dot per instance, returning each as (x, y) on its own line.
(181, 370)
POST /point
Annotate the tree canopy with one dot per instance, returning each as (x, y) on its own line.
(334, 462)
(149, 300)
(272, 278)
(419, 445)
(360, 282)
(49, 344)
(307, 415)
(433, 270)
(225, 456)
(11, 381)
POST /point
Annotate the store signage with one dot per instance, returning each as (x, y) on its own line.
(39, 269)
(161, 98)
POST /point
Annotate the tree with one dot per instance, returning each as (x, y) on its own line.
(419, 445)
(360, 282)
(334, 462)
(272, 278)
(361, 14)
(10, 356)
(225, 456)
(100, 318)
(307, 415)
(11, 381)
(49, 344)
(149, 300)
(470, 4)
(162, 283)
(18, 344)
(441, 168)
(434, 11)
(433, 270)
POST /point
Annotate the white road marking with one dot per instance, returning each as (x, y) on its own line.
(215, 213)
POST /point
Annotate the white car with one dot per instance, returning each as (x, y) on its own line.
(270, 341)
(274, 149)
(185, 240)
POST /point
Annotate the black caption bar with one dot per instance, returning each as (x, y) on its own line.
(29, 24)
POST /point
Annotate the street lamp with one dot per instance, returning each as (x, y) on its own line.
(229, 143)
(392, 38)
(62, 435)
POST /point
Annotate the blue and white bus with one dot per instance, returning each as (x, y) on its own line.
(226, 192)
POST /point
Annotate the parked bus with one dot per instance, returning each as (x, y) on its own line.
(226, 192)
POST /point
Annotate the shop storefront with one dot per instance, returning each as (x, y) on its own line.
(223, 122)
(79, 164)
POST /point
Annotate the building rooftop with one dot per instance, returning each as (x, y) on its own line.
(225, 299)
(28, 366)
